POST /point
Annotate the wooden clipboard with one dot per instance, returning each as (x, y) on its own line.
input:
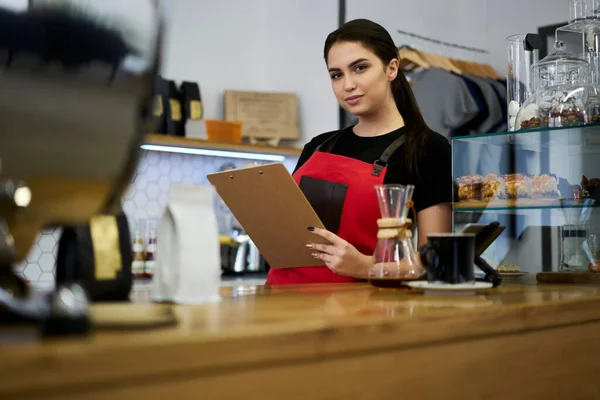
(273, 211)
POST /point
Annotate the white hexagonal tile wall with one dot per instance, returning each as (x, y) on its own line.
(153, 191)
(153, 209)
(140, 182)
(152, 174)
(128, 207)
(46, 243)
(140, 199)
(163, 199)
(32, 272)
(198, 163)
(151, 157)
(176, 160)
(57, 233)
(187, 169)
(163, 164)
(164, 183)
(46, 277)
(34, 254)
(142, 166)
(47, 262)
(176, 175)
(140, 213)
(199, 177)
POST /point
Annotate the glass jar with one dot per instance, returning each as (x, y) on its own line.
(562, 89)
(593, 101)
(580, 10)
(592, 248)
(523, 52)
(559, 68)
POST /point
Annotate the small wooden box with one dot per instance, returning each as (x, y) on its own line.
(264, 115)
(573, 278)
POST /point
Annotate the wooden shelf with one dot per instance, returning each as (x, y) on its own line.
(177, 141)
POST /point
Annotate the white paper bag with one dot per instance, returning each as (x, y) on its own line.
(188, 257)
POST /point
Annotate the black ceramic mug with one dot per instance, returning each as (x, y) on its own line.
(449, 257)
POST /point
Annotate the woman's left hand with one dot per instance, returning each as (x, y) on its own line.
(340, 256)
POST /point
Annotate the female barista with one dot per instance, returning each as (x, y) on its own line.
(390, 144)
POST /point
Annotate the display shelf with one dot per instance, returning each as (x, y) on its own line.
(582, 26)
(189, 143)
(521, 204)
(579, 136)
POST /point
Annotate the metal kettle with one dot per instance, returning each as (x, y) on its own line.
(247, 258)
(241, 257)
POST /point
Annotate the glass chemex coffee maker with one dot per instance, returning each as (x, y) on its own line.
(395, 260)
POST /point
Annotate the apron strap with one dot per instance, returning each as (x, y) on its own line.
(329, 143)
(380, 164)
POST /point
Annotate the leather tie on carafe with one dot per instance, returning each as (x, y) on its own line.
(397, 228)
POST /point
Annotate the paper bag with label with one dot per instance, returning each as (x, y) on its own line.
(188, 258)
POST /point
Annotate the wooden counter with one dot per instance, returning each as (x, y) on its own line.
(328, 342)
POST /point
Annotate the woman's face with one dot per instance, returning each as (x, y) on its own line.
(360, 81)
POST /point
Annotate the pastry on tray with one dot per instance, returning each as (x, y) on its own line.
(477, 187)
(509, 186)
(517, 186)
(493, 187)
(545, 186)
(469, 187)
(508, 269)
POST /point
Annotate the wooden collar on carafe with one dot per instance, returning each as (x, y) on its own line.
(396, 228)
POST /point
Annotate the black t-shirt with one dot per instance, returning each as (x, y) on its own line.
(433, 185)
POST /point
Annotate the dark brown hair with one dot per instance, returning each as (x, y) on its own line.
(378, 40)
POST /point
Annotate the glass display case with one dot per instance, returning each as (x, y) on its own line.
(543, 185)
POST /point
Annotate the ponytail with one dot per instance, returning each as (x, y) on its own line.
(416, 128)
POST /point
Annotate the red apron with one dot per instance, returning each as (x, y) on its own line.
(359, 215)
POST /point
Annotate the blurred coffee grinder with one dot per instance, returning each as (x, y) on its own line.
(76, 88)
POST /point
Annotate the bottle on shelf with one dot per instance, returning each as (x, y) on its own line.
(139, 253)
(150, 259)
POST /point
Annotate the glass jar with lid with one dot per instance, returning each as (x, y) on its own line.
(562, 87)
(584, 10)
(523, 52)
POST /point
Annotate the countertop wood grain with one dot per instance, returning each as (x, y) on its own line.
(322, 341)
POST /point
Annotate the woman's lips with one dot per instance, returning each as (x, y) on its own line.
(353, 100)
